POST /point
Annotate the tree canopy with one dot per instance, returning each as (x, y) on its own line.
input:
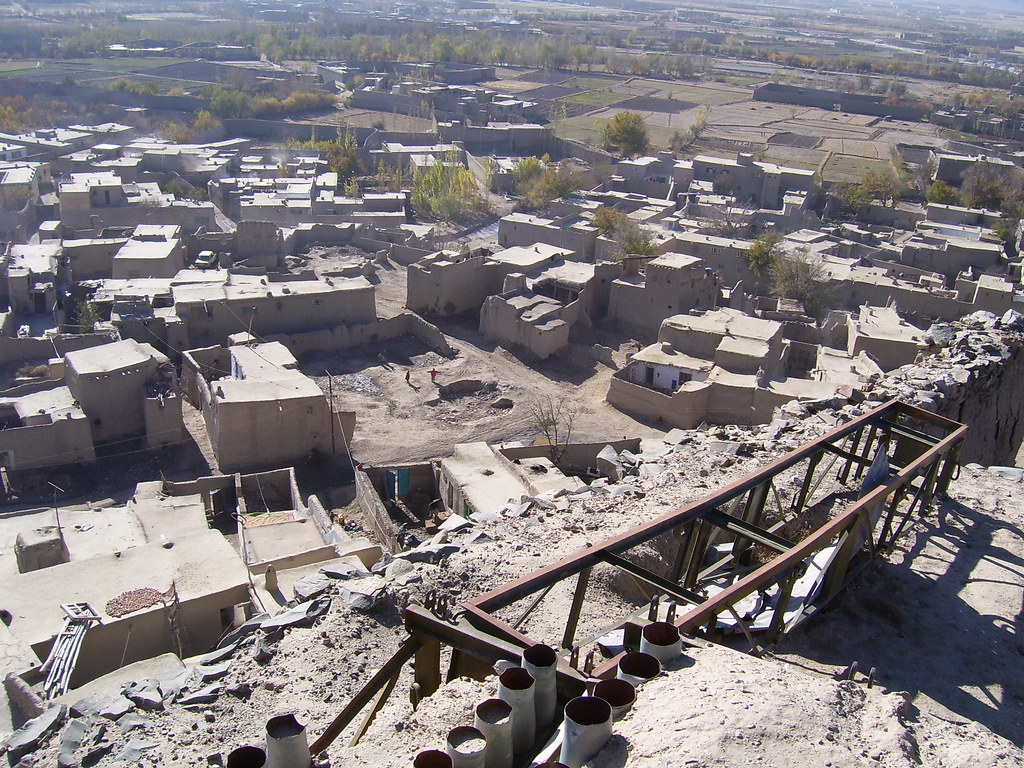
(763, 253)
(628, 132)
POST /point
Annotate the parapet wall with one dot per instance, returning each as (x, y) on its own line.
(347, 336)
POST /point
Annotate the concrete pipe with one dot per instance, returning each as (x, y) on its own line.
(432, 758)
(661, 640)
(551, 764)
(494, 720)
(541, 661)
(588, 726)
(286, 743)
(465, 745)
(515, 687)
(620, 694)
(247, 757)
(637, 668)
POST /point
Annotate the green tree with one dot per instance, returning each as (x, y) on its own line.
(447, 191)
(608, 221)
(763, 253)
(940, 192)
(881, 185)
(628, 132)
(801, 278)
(525, 173)
(86, 316)
(851, 199)
(630, 237)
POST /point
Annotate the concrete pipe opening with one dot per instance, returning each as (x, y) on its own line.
(516, 679)
(637, 668)
(540, 655)
(286, 743)
(541, 661)
(588, 710)
(465, 746)
(620, 695)
(247, 757)
(588, 726)
(552, 764)
(493, 718)
(432, 758)
(516, 686)
(661, 640)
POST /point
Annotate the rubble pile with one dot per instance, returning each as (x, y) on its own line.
(969, 356)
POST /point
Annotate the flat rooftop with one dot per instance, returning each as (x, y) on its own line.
(110, 357)
(199, 565)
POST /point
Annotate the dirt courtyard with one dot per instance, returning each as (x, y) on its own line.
(400, 421)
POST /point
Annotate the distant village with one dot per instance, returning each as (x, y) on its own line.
(127, 307)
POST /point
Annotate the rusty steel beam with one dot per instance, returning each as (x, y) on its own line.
(758, 535)
(366, 694)
(665, 585)
(465, 638)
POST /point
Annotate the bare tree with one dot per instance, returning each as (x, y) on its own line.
(554, 419)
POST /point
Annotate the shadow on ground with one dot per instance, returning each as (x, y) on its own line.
(933, 625)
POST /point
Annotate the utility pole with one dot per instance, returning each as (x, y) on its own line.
(56, 489)
(330, 407)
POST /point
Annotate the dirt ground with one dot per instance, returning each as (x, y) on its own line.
(400, 421)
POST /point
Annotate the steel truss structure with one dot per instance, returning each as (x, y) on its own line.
(884, 468)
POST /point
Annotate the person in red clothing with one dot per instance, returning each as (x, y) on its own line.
(433, 375)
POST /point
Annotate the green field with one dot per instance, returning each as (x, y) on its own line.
(849, 168)
(597, 98)
(597, 83)
(586, 129)
(81, 69)
(591, 129)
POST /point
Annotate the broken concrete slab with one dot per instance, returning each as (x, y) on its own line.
(675, 436)
(135, 750)
(145, 694)
(454, 523)
(608, 463)
(22, 698)
(131, 721)
(70, 741)
(302, 615)
(343, 571)
(205, 695)
(173, 680)
(483, 518)
(110, 704)
(367, 552)
(208, 672)
(940, 334)
(397, 569)
(725, 446)
(1012, 320)
(313, 585)
(243, 630)
(32, 734)
(364, 595)
(432, 554)
(218, 655)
